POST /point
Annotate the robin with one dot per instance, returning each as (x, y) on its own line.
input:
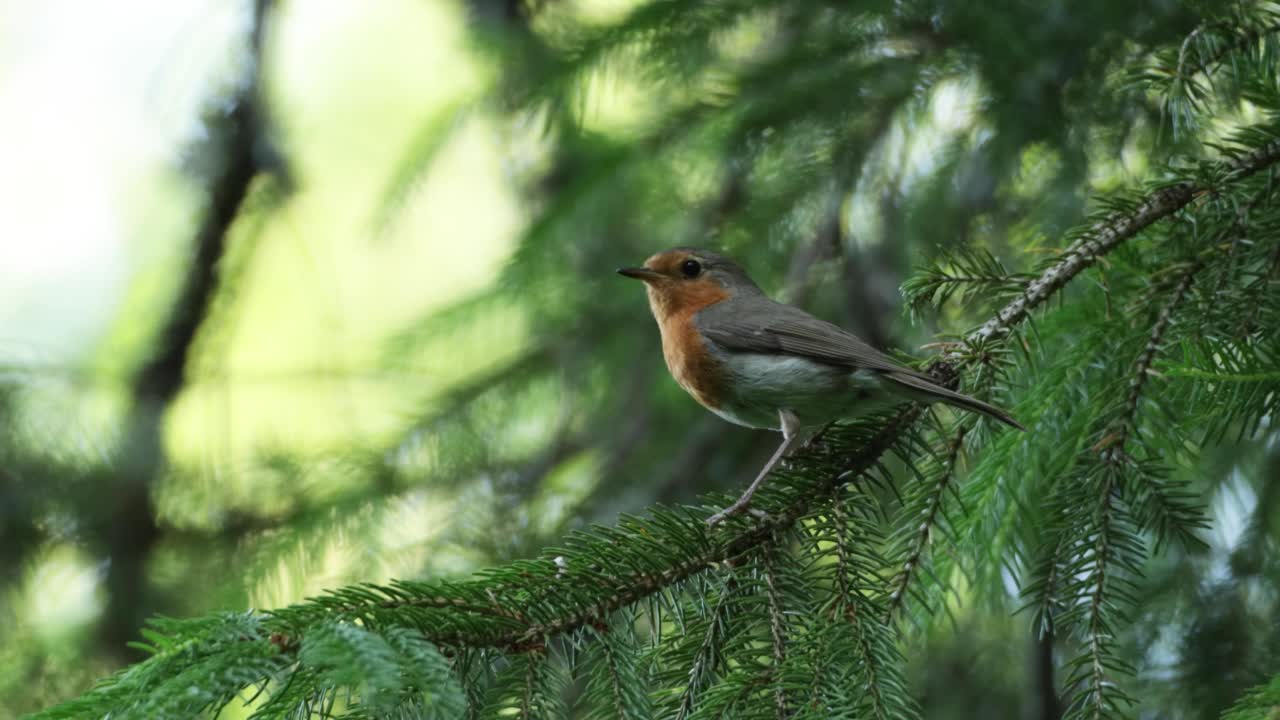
(763, 364)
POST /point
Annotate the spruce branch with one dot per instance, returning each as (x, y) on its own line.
(844, 590)
(1187, 76)
(1155, 502)
(1259, 703)
(636, 586)
(1105, 236)
(1047, 589)
(1239, 229)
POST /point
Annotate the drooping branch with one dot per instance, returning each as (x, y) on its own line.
(1114, 451)
(937, 494)
(1111, 548)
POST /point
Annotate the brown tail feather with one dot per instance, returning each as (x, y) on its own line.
(922, 390)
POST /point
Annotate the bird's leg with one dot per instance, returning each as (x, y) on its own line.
(791, 437)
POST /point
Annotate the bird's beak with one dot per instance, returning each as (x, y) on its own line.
(640, 273)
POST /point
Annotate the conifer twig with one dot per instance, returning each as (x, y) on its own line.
(705, 650)
(776, 631)
(848, 611)
(921, 544)
(530, 677)
(1097, 623)
(869, 662)
(1206, 65)
(615, 681)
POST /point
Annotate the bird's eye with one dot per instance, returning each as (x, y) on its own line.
(691, 268)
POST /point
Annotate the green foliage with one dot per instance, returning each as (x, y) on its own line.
(1262, 703)
(1135, 345)
(970, 276)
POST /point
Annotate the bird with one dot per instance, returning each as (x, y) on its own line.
(760, 363)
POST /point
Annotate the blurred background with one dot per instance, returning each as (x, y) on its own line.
(297, 295)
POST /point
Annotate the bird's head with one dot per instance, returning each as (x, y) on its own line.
(689, 279)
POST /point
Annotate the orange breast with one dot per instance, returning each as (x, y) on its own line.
(690, 362)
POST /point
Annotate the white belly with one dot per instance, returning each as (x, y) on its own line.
(815, 392)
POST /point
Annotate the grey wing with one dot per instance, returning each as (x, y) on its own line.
(763, 326)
